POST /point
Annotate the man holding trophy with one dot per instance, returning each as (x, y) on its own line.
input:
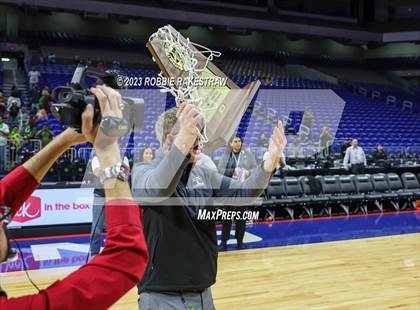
(173, 190)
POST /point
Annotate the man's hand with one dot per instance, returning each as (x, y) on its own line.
(190, 122)
(245, 172)
(276, 147)
(189, 118)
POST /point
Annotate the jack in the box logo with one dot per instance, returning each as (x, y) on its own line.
(30, 210)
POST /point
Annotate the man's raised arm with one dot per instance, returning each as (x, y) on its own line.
(157, 181)
(233, 192)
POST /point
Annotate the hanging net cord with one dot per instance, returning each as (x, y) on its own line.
(184, 58)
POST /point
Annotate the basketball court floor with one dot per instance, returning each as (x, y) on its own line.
(357, 262)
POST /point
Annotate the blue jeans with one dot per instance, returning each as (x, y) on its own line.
(98, 224)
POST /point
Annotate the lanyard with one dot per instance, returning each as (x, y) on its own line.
(237, 159)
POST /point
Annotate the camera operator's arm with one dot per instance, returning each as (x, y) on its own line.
(158, 182)
(121, 264)
(18, 185)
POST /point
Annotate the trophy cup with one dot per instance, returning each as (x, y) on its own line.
(196, 78)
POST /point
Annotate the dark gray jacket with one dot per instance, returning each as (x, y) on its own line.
(246, 161)
(183, 249)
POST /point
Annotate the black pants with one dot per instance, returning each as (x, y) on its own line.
(239, 232)
(357, 168)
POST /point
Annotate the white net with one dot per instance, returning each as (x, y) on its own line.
(184, 58)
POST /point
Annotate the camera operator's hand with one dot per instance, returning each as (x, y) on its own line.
(191, 121)
(71, 137)
(110, 103)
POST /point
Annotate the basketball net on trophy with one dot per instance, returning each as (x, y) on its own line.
(197, 79)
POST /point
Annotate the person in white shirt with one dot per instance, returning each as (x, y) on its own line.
(33, 77)
(98, 209)
(355, 158)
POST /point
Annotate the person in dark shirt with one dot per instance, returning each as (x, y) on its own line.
(236, 162)
(263, 141)
(379, 156)
(325, 141)
(173, 192)
(344, 146)
(45, 135)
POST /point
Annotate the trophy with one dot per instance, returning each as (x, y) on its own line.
(192, 76)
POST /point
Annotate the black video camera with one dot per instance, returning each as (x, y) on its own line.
(69, 102)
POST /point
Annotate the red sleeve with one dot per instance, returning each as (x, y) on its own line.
(16, 187)
(104, 280)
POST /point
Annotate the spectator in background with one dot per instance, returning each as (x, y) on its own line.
(44, 101)
(98, 214)
(45, 135)
(263, 141)
(25, 150)
(29, 131)
(15, 136)
(305, 130)
(33, 75)
(344, 146)
(355, 158)
(147, 155)
(42, 115)
(52, 58)
(101, 65)
(235, 163)
(14, 97)
(236, 156)
(325, 141)
(4, 135)
(379, 155)
(13, 107)
(116, 64)
(3, 106)
(14, 146)
(15, 92)
(35, 94)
